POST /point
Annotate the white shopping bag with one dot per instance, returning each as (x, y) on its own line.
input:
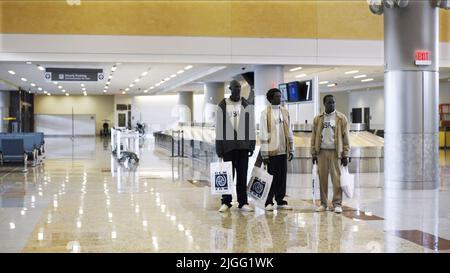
(347, 182)
(259, 186)
(315, 182)
(221, 177)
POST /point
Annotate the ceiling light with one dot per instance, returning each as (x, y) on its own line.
(33, 84)
(29, 62)
(324, 82)
(166, 79)
(331, 85)
(367, 80)
(23, 79)
(158, 84)
(104, 91)
(82, 85)
(107, 83)
(136, 80)
(352, 72)
(126, 89)
(145, 91)
(59, 86)
(295, 69)
(55, 83)
(152, 87)
(40, 68)
(110, 77)
(40, 89)
(64, 90)
(144, 73)
(106, 87)
(113, 68)
(173, 75)
(188, 67)
(45, 91)
(123, 92)
(300, 76)
(48, 94)
(180, 72)
(84, 89)
(12, 72)
(131, 85)
(360, 76)
(67, 94)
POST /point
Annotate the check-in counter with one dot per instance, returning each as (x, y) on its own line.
(367, 150)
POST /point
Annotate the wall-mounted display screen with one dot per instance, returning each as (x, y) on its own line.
(284, 91)
(299, 91)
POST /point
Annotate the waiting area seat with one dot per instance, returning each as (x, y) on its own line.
(13, 144)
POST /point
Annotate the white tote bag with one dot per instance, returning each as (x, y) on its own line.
(259, 186)
(347, 182)
(221, 176)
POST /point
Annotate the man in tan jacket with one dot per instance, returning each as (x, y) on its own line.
(329, 143)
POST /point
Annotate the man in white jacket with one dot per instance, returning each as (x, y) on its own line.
(277, 142)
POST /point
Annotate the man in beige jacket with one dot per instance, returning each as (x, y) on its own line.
(329, 144)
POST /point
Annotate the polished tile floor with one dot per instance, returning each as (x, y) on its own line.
(81, 200)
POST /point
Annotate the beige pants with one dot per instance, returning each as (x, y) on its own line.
(329, 163)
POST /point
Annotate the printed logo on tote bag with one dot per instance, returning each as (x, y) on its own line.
(220, 180)
(257, 187)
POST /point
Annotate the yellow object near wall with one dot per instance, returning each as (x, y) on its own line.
(442, 140)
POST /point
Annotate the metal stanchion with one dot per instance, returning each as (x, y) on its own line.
(173, 145)
(182, 143)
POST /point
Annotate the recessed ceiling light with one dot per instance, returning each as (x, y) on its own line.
(64, 90)
(180, 72)
(331, 85)
(360, 76)
(12, 72)
(67, 94)
(113, 68)
(352, 72)
(300, 76)
(40, 89)
(126, 89)
(48, 94)
(40, 68)
(107, 83)
(152, 87)
(324, 82)
(158, 84)
(145, 91)
(173, 75)
(82, 85)
(33, 84)
(144, 73)
(59, 86)
(23, 79)
(106, 87)
(45, 91)
(110, 77)
(188, 67)
(166, 79)
(84, 89)
(29, 62)
(137, 80)
(367, 80)
(55, 83)
(104, 91)
(131, 85)
(295, 69)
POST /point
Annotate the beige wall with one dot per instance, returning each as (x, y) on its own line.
(101, 106)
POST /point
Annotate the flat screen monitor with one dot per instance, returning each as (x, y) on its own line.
(304, 90)
(293, 94)
(284, 91)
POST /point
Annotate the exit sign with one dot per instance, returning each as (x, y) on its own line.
(422, 57)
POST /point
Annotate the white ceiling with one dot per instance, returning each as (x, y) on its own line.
(190, 80)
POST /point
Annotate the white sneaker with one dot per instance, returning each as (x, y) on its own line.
(284, 207)
(224, 208)
(338, 209)
(246, 208)
(269, 207)
(321, 208)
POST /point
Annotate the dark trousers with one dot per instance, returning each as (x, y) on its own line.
(239, 159)
(277, 168)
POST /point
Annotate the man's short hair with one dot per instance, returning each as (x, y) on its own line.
(327, 96)
(271, 93)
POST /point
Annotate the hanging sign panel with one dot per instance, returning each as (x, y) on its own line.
(73, 74)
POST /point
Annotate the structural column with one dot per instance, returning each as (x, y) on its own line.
(214, 93)
(186, 106)
(411, 96)
(266, 77)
